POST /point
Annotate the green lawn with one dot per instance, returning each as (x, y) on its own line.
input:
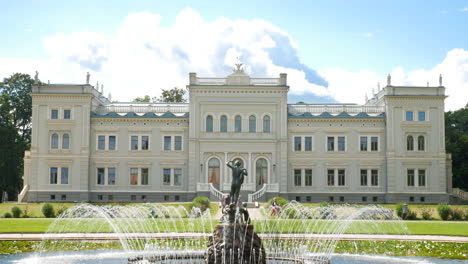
(38, 225)
(34, 209)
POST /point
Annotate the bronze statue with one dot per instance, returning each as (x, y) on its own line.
(238, 174)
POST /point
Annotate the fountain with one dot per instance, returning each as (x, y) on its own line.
(157, 233)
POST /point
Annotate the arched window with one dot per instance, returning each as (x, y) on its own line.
(421, 146)
(66, 141)
(252, 124)
(261, 171)
(223, 124)
(213, 171)
(266, 124)
(54, 141)
(409, 143)
(209, 123)
(238, 124)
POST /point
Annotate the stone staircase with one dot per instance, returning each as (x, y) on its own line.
(458, 196)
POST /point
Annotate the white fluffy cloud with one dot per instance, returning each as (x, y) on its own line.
(346, 86)
(142, 57)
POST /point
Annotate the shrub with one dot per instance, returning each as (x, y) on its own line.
(7, 215)
(48, 210)
(399, 210)
(279, 200)
(457, 214)
(411, 215)
(201, 202)
(16, 212)
(444, 211)
(324, 204)
(426, 213)
(60, 210)
(466, 214)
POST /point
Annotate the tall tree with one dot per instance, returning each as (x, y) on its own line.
(456, 141)
(174, 95)
(15, 126)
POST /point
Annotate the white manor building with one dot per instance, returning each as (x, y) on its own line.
(85, 148)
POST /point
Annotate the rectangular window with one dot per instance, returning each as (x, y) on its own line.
(330, 198)
(54, 114)
(341, 178)
(133, 176)
(374, 177)
(297, 143)
(363, 177)
(374, 198)
(308, 144)
(341, 198)
(53, 175)
(374, 143)
(110, 197)
(422, 199)
(363, 143)
(297, 177)
(112, 142)
(309, 199)
(410, 176)
(331, 177)
(100, 197)
(144, 176)
(177, 176)
(66, 114)
(364, 198)
(144, 142)
(133, 197)
(421, 116)
(177, 143)
(64, 197)
(411, 198)
(100, 176)
(330, 143)
(166, 198)
(143, 197)
(177, 198)
(101, 142)
(111, 176)
(409, 116)
(298, 198)
(167, 143)
(341, 144)
(52, 196)
(422, 177)
(134, 142)
(308, 177)
(64, 175)
(166, 176)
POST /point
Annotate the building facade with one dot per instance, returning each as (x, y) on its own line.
(85, 148)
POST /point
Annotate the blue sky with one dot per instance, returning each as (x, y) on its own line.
(327, 40)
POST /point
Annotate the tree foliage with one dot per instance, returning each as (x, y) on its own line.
(15, 130)
(456, 141)
(174, 95)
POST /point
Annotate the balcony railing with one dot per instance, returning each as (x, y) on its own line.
(143, 108)
(223, 81)
(334, 109)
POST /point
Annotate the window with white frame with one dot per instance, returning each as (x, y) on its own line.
(60, 140)
(297, 143)
(337, 143)
(140, 142)
(409, 116)
(62, 113)
(58, 175)
(374, 143)
(363, 143)
(416, 180)
(107, 142)
(374, 177)
(410, 177)
(172, 143)
(139, 176)
(252, 124)
(105, 175)
(421, 143)
(409, 143)
(297, 177)
(172, 176)
(369, 143)
(238, 124)
(302, 143)
(54, 114)
(339, 174)
(308, 177)
(223, 124)
(209, 123)
(418, 140)
(67, 114)
(421, 116)
(266, 124)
